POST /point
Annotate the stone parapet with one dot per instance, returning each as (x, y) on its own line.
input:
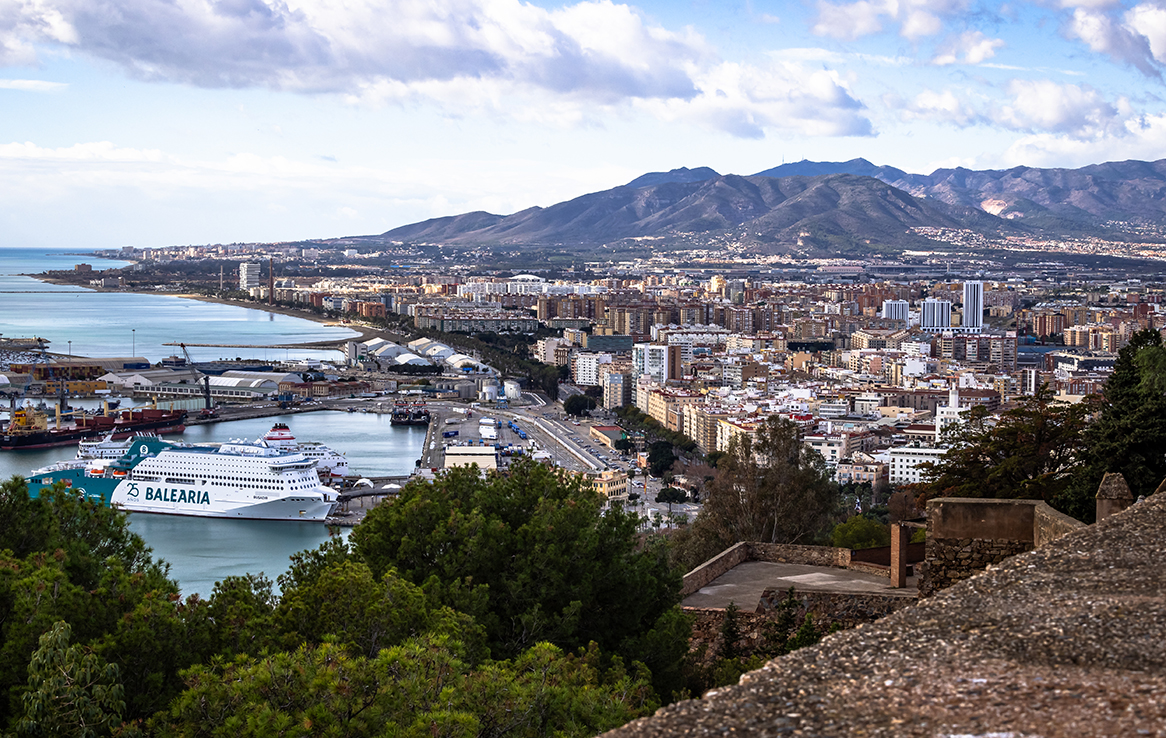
(714, 567)
(966, 535)
(782, 553)
(789, 553)
(1049, 525)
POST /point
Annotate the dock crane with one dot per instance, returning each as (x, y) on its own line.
(208, 410)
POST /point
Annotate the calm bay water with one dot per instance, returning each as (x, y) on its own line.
(124, 324)
(200, 551)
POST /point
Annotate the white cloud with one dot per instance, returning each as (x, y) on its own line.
(560, 66)
(595, 49)
(915, 18)
(784, 97)
(972, 47)
(1077, 111)
(943, 107)
(1142, 138)
(32, 85)
(1150, 22)
(1107, 35)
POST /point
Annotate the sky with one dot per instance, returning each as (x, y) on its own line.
(154, 123)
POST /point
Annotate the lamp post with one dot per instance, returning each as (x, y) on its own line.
(134, 333)
(70, 350)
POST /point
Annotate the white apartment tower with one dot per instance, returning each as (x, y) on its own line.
(973, 321)
(936, 315)
(661, 362)
(895, 310)
(248, 276)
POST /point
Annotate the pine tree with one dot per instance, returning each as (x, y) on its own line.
(72, 692)
(1128, 434)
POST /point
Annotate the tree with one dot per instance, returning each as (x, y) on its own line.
(420, 688)
(1129, 429)
(770, 488)
(661, 457)
(670, 495)
(65, 558)
(71, 691)
(1029, 454)
(624, 445)
(578, 405)
(532, 556)
(860, 532)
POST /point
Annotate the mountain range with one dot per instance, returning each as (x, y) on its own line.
(824, 208)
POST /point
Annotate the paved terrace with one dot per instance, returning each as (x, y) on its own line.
(744, 583)
(1067, 640)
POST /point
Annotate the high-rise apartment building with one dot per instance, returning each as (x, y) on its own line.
(661, 362)
(936, 315)
(895, 310)
(973, 319)
(248, 276)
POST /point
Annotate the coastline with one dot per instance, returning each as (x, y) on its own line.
(366, 332)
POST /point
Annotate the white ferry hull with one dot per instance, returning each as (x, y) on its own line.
(165, 500)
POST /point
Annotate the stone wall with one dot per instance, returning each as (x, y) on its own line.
(827, 609)
(1049, 525)
(965, 536)
(788, 553)
(845, 609)
(951, 560)
(705, 643)
(784, 553)
(714, 567)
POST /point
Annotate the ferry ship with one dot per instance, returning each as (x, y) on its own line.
(233, 480)
(330, 464)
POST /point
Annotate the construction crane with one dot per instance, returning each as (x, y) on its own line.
(209, 410)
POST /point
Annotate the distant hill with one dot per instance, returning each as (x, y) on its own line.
(814, 214)
(1130, 191)
(823, 208)
(683, 174)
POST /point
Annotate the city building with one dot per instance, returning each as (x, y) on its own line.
(935, 315)
(973, 316)
(895, 310)
(249, 276)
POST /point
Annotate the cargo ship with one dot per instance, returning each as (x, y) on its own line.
(237, 480)
(30, 427)
(406, 413)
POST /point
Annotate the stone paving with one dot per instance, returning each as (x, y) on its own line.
(744, 583)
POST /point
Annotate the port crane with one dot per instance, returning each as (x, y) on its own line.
(205, 380)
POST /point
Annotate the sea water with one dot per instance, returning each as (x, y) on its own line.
(200, 551)
(83, 322)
